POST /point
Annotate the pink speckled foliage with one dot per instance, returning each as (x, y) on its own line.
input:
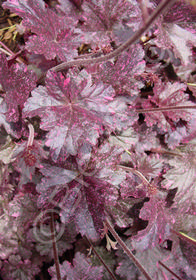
(18, 84)
(107, 135)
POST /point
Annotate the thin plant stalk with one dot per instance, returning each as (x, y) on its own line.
(101, 260)
(165, 109)
(163, 151)
(136, 172)
(31, 135)
(9, 52)
(55, 250)
(4, 51)
(162, 7)
(127, 250)
(168, 269)
(6, 48)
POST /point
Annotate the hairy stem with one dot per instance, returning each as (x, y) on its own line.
(168, 269)
(9, 52)
(163, 151)
(136, 172)
(151, 188)
(127, 250)
(101, 260)
(164, 5)
(165, 109)
(55, 250)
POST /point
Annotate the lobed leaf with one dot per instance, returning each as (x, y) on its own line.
(17, 82)
(75, 112)
(166, 95)
(81, 269)
(54, 36)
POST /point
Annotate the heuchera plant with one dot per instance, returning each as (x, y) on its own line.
(98, 141)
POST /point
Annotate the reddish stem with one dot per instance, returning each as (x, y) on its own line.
(101, 260)
(127, 250)
(164, 109)
(162, 7)
(136, 172)
(168, 269)
(163, 151)
(55, 250)
(10, 52)
(6, 48)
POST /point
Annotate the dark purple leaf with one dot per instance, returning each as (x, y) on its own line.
(95, 191)
(182, 176)
(84, 221)
(126, 269)
(17, 82)
(27, 159)
(82, 268)
(53, 32)
(167, 95)
(53, 183)
(158, 228)
(122, 74)
(182, 13)
(176, 31)
(102, 163)
(75, 111)
(142, 175)
(110, 14)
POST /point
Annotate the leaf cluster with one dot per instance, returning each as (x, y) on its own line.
(97, 128)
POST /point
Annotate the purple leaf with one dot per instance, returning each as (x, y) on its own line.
(176, 31)
(54, 181)
(158, 228)
(111, 14)
(95, 197)
(102, 163)
(182, 176)
(167, 95)
(149, 259)
(81, 268)
(126, 269)
(70, 8)
(42, 238)
(7, 126)
(182, 41)
(84, 221)
(20, 269)
(122, 74)
(79, 197)
(27, 158)
(75, 111)
(181, 13)
(144, 172)
(120, 212)
(174, 137)
(17, 82)
(53, 33)
(108, 20)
